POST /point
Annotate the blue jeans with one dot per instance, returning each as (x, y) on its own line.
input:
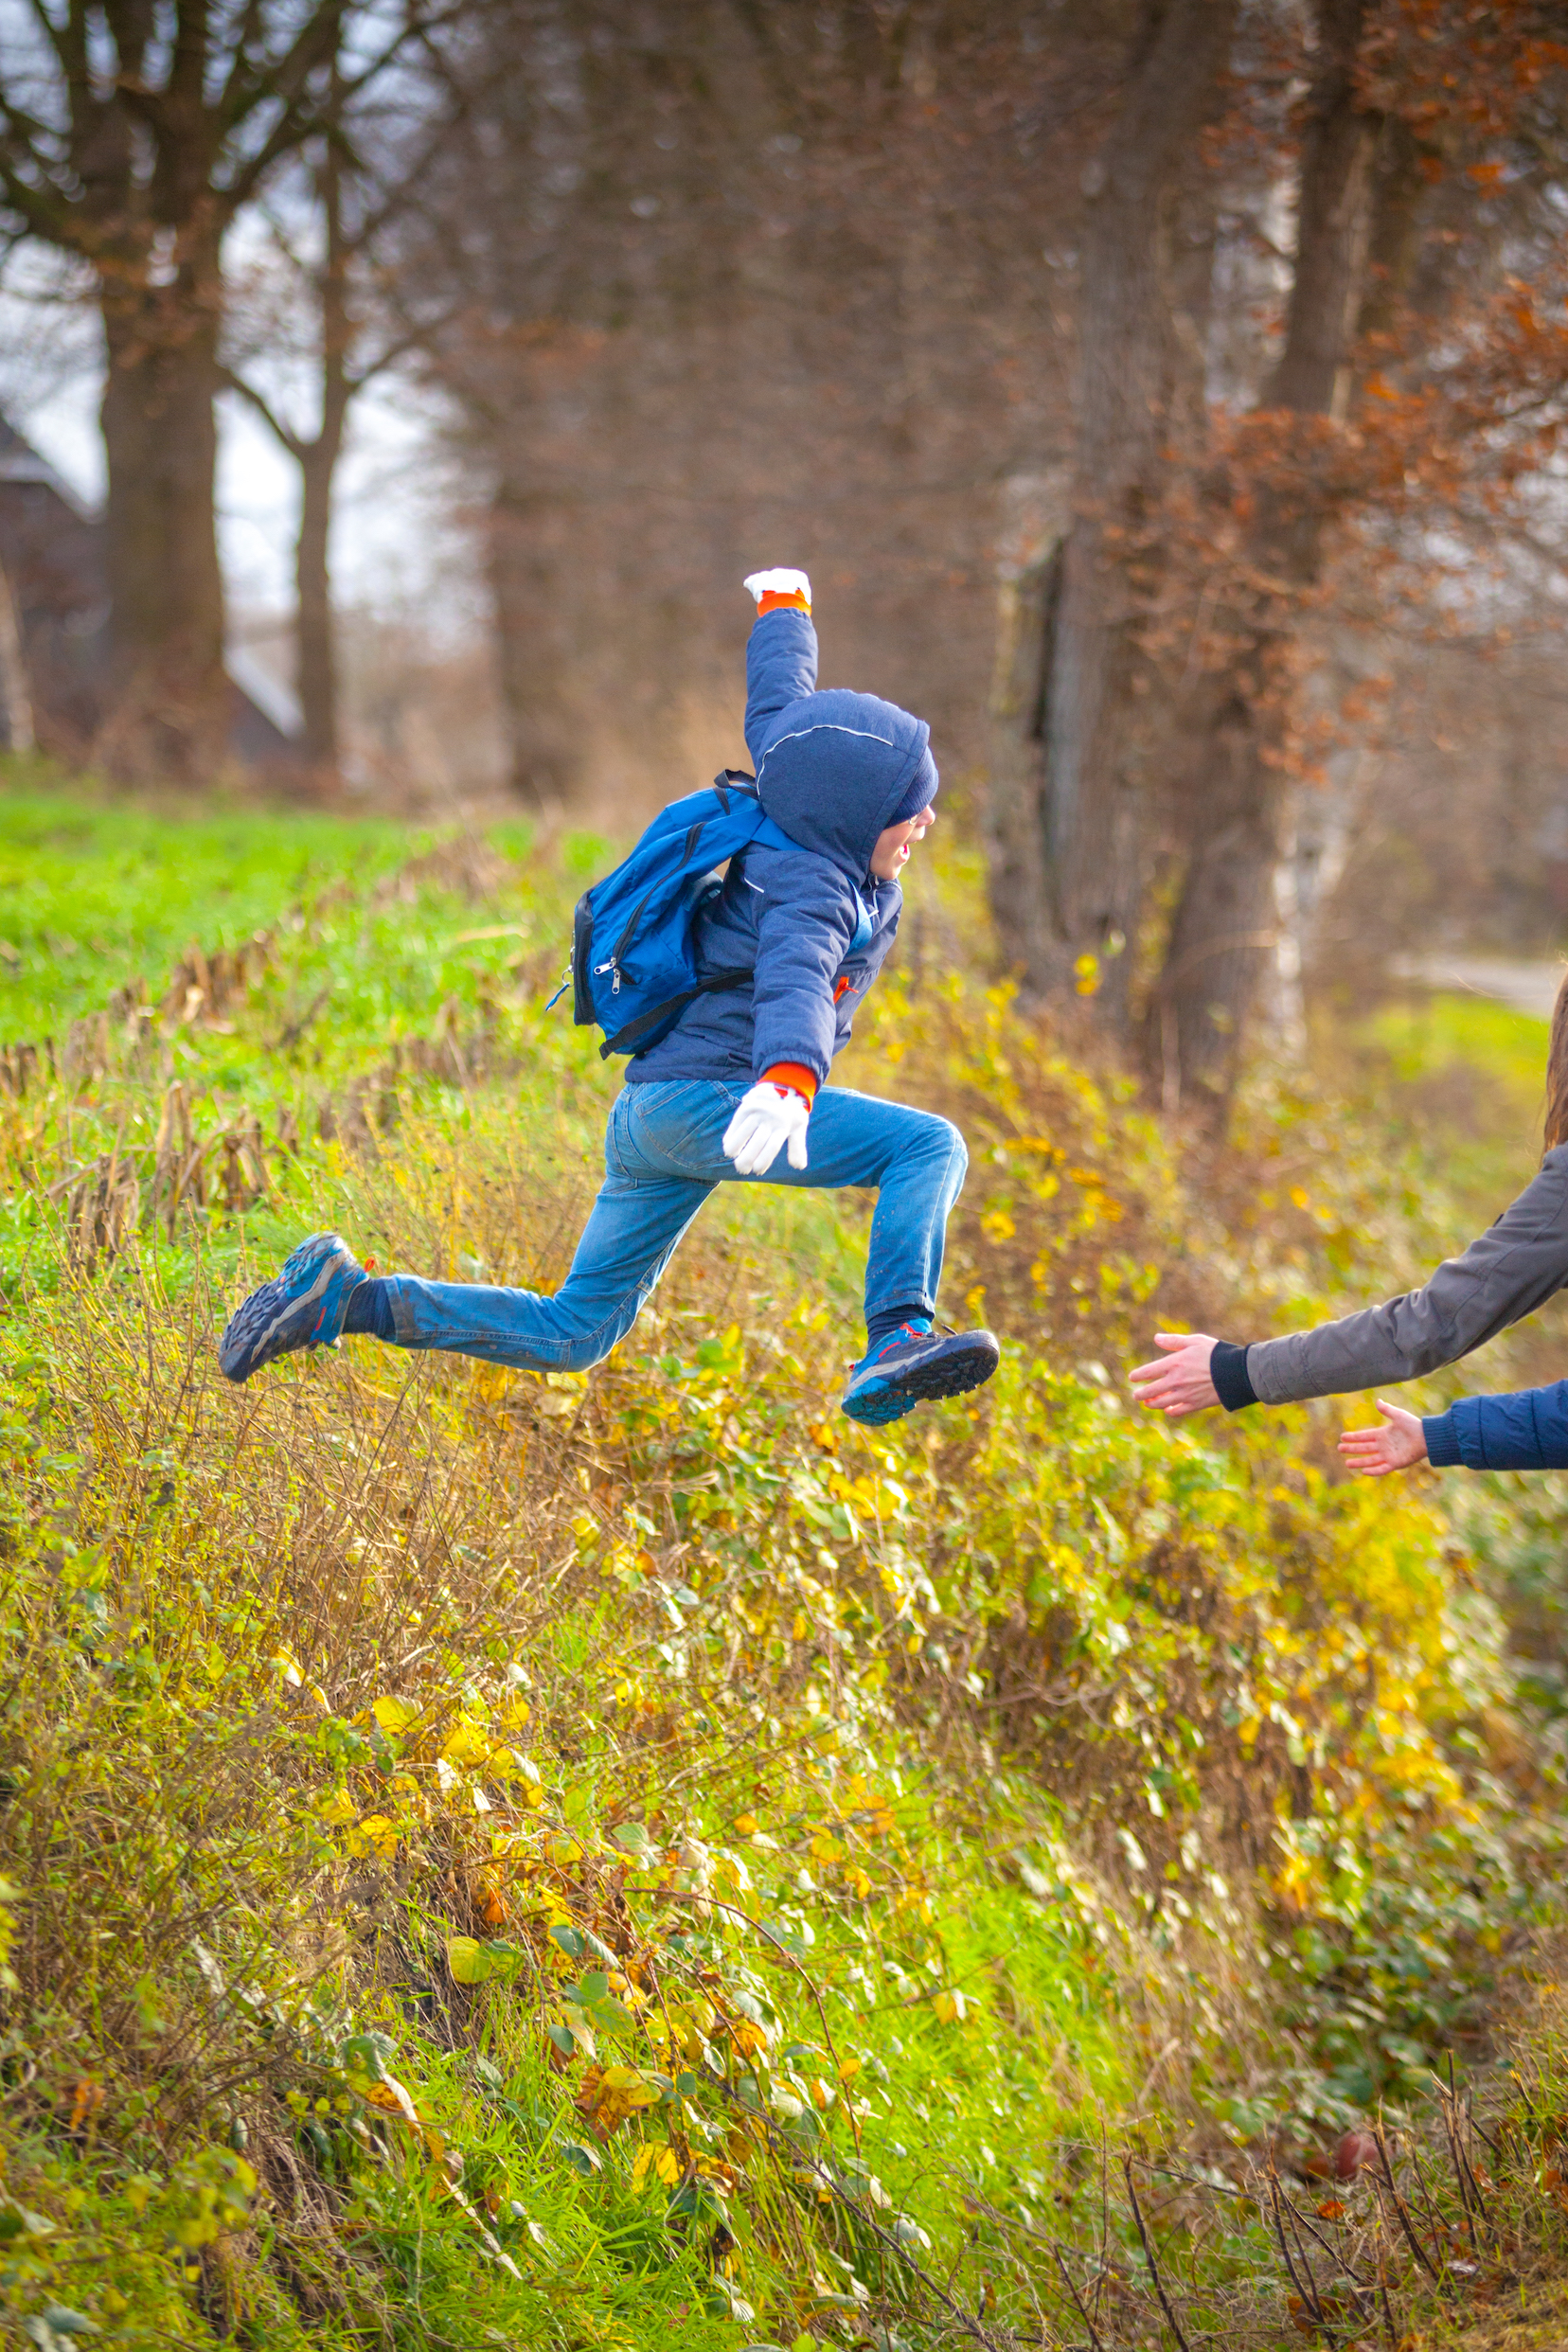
(661, 1158)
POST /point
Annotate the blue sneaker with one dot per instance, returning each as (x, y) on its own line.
(915, 1362)
(301, 1306)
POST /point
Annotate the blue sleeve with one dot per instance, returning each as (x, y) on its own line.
(1527, 1430)
(804, 927)
(781, 665)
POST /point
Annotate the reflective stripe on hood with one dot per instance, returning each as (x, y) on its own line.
(832, 767)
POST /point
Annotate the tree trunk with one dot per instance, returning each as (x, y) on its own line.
(170, 707)
(16, 724)
(1227, 919)
(532, 647)
(1131, 360)
(315, 642)
(315, 662)
(1015, 814)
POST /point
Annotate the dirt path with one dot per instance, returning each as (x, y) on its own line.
(1529, 987)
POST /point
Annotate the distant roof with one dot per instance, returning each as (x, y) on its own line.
(270, 695)
(61, 578)
(21, 462)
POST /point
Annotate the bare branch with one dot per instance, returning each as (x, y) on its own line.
(294, 442)
(251, 83)
(47, 218)
(69, 41)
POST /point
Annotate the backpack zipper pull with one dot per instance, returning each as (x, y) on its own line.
(565, 984)
(614, 969)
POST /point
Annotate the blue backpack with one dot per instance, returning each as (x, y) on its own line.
(634, 965)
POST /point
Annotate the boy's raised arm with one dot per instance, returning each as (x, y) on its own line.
(781, 659)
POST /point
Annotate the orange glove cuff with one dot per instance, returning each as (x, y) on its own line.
(770, 602)
(792, 1076)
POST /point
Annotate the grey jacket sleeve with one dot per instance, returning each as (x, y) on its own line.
(1513, 1269)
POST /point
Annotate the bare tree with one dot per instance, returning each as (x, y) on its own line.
(1067, 831)
(739, 278)
(129, 140)
(1226, 919)
(358, 182)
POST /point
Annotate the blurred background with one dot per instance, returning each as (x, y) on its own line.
(1165, 397)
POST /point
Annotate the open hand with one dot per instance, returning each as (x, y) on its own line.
(1178, 1382)
(1398, 1445)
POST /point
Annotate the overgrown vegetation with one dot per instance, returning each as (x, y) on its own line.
(594, 1859)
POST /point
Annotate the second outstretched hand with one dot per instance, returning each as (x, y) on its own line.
(1177, 1383)
(1399, 1444)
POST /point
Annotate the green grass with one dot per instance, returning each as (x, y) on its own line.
(96, 893)
(1467, 1085)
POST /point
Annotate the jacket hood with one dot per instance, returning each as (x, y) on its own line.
(834, 767)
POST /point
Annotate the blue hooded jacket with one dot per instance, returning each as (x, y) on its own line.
(811, 924)
(1527, 1430)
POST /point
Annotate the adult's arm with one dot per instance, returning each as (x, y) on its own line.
(1525, 1431)
(1506, 1273)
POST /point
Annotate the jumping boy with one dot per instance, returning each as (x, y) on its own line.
(740, 1078)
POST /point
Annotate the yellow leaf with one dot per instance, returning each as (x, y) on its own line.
(376, 1835)
(390, 2095)
(394, 1716)
(850, 2068)
(948, 2005)
(465, 1743)
(467, 1960)
(628, 2086)
(338, 1809)
(745, 1824)
(658, 2159)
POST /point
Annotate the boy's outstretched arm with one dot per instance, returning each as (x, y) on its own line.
(781, 657)
(1526, 1430)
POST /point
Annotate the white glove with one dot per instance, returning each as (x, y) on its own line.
(781, 584)
(765, 1118)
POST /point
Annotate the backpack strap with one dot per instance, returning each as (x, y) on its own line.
(626, 1041)
(735, 780)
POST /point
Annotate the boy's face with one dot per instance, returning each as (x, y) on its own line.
(895, 842)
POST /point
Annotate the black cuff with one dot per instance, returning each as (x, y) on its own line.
(1228, 1371)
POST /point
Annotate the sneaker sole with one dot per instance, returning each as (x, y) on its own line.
(259, 1334)
(949, 1376)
